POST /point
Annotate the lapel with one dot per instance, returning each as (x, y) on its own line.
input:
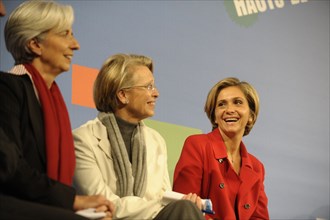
(100, 133)
(36, 116)
(219, 148)
(248, 176)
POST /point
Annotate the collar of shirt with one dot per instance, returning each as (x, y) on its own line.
(20, 70)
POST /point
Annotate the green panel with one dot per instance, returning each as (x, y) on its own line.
(174, 135)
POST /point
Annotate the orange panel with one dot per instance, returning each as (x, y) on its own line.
(82, 85)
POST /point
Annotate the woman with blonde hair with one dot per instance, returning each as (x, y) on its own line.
(118, 155)
(217, 165)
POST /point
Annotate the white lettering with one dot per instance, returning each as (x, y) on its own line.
(247, 7)
(270, 4)
(251, 7)
(261, 5)
(294, 2)
(279, 3)
(240, 8)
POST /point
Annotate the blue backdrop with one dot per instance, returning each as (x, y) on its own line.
(281, 47)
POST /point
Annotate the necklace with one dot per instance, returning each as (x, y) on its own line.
(234, 163)
(230, 159)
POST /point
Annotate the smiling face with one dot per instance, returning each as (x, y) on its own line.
(140, 98)
(232, 112)
(54, 52)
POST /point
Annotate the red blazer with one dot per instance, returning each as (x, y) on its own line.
(203, 169)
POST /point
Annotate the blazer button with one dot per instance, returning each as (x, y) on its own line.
(247, 206)
(222, 185)
(220, 160)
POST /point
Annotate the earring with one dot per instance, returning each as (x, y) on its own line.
(126, 102)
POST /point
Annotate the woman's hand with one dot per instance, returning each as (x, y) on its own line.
(194, 198)
(99, 202)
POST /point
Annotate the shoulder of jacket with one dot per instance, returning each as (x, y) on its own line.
(12, 78)
(256, 163)
(197, 136)
(88, 125)
(153, 133)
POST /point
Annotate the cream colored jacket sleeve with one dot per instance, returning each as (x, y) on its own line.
(94, 173)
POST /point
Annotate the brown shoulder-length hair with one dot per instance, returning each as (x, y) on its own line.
(250, 94)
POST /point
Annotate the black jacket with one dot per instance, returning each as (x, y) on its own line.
(22, 146)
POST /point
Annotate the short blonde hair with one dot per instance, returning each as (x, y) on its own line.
(33, 19)
(116, 73)
(250, 94)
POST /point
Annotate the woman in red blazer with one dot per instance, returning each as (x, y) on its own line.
(217, 165)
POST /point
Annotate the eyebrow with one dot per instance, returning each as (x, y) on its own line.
(150, 82)
(234, 98)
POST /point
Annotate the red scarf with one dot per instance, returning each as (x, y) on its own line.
(59, 141)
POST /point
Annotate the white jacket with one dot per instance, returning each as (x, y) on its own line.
(94, 173)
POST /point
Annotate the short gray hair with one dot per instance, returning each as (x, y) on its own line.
(33, 19)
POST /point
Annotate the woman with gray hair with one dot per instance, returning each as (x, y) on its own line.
(36, 146)
(118, 155)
